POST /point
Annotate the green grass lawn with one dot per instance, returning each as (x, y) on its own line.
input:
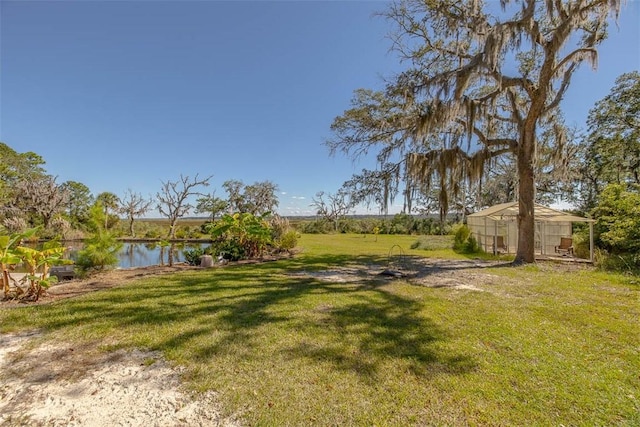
(539, 345)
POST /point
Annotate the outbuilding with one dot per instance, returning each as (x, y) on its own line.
(496, 230)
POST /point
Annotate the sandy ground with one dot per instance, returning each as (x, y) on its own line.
(42, 384)
(56, 385)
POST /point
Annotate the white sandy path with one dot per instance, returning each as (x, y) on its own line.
(125, 389)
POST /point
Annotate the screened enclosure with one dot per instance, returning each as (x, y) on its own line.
(496, 230)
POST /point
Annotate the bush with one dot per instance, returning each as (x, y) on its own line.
(100, 252)
(241, 235)
(288, 241)
(182, 232)
(471, 246)
(461, 234)
(617, 262)
(581, 244)
(152, 234)
(432, 243)
(463, 240)
(316, 227)
(618, 219)
(192, 256)
(348, 225)
(229, 249)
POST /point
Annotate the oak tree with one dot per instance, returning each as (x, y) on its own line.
(481, 81)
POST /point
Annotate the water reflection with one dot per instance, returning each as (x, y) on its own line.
(138, 254)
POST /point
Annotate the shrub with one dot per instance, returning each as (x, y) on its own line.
(617, 262)
(192, 256)
(229, 249)
(182, 233)
(581, 244)
(348, 225)
(100, 252)
(471, 246)
(15, 224)
(152, 234)
(461, 233)
(316, 227)
(288, 241)
(618, 218)
(463, 240)
(241, 235)
(432, 243)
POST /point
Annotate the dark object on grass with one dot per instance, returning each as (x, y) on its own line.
(62, 272)
(391, 273)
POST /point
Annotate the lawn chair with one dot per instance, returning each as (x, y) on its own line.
(565, 247)
(500, 245)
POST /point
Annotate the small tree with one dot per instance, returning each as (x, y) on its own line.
(110, 204)
(211, 205)
(9, 256)
(257, 198)
(133, 205)
(235, 192)
(14, 168)
(79, 203)
(102, 248)
(172, 199)
(38, 263)
(335, 207)
(260, 197)
(618, 218)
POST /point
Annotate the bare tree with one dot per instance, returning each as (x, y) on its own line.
(481, 81)
(41, 197)
(172, 199)
(334, 207)
(133, 205)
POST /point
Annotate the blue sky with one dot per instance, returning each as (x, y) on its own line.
(126, 94)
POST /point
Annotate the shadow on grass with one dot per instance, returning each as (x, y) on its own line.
(253, 312)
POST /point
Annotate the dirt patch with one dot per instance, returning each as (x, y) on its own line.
(468, 274)
(457, 274)
(104, 280)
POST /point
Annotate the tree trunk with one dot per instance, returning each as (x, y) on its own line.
(5, 281)
(172, 229)
(526, 191)
(131, 231)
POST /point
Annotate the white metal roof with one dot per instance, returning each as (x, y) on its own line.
(509, 212)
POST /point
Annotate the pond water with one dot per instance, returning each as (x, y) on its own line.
(138, 254)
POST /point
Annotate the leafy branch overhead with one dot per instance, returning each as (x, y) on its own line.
(481, 83)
